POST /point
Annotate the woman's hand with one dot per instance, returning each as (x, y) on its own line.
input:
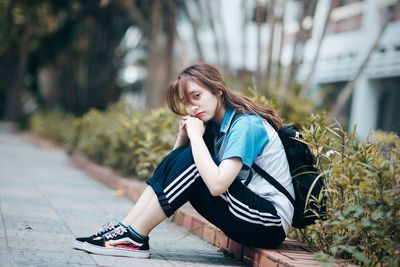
(182, 129)
(182, 139)
(194, 127)
(189, 127)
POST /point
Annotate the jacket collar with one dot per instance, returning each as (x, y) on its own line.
(226, 122)
(228, 119)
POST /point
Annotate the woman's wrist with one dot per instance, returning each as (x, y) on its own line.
(181, 140)
(195, 136)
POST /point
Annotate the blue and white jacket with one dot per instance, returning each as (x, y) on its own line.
(253, 140)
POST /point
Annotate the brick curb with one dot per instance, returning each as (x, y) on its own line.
(290, 254)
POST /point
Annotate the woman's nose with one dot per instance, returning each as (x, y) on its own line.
(192, 108)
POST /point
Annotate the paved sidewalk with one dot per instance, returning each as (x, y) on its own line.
(45, 202)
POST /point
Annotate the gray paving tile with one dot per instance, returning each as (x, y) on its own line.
(41, 257)
(45, 203)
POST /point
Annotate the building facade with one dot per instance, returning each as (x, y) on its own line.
(229, 35)
(354, 28)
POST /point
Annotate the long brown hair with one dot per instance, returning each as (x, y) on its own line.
(211, 79)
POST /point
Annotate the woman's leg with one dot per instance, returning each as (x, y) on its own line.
(241, 214)
(147, 207)
(139, 206)
(130, 239)
(146, 214)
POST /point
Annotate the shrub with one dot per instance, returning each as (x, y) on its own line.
(293, 108)
(54, 125)
(362, 188)
(129, 141)
(362, 178)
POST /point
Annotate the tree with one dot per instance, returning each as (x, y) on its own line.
(224, 38)
(68, 45)
(306, 85)
(345, 93)
(244, 33)
(259, 12)
(23, 24)
(211, 20)
(84, 55)
(281, 43)
(271, 22)
(14, 56)
(195, 24)
(307, 9)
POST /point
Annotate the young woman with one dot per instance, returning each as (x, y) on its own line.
(221, 135)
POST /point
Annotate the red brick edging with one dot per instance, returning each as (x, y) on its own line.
(290, 254)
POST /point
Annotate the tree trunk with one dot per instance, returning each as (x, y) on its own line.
(136, 15)
(306, 10)
(194, 25)
(67, 80)
(345, 94)
(244, 34)
(156, 80)
(224, 39)
(306, 85)
(48, 84)
(101, 72)
(170, 9)
(14, 77)
(278, 73)
(211, 19)
(182, 59)
(270, 48)
(258, 20)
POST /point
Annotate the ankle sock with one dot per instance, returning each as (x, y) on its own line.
(140, 238)
(120, 223)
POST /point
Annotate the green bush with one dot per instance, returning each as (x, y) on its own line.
(362, 178)
(129, 141)
(56, 126)
(362, 189)
(293, 108)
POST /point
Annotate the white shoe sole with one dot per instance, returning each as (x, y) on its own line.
(79, 245)
(142, 254)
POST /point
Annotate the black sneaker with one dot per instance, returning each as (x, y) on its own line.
(120, 242)
(79, 242)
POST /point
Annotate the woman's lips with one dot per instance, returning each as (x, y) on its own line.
(199, 114)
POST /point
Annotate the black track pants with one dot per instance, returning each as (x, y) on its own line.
(238, 212)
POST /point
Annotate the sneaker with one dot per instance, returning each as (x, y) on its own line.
(122, 241)
(79, 242)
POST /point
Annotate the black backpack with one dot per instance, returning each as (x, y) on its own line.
(308, 183)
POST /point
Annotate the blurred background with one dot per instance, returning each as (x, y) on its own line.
(74, 55)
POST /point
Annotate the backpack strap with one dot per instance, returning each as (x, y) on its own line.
(263, 173)
(273, 182)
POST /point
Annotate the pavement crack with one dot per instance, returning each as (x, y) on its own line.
(5, 236)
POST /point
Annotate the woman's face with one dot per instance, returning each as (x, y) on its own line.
(201, 103)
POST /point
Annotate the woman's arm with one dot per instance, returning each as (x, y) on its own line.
(182, 139)
(217, 178)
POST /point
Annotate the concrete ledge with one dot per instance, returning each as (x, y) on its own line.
(290, 254)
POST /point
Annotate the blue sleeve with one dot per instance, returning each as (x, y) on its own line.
(246, 139)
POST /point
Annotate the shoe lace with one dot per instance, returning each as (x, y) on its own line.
(105, 228)
(118, 231)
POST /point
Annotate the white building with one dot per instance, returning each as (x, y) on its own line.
(353, 27)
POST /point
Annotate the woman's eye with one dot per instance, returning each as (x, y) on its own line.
(196, 96)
